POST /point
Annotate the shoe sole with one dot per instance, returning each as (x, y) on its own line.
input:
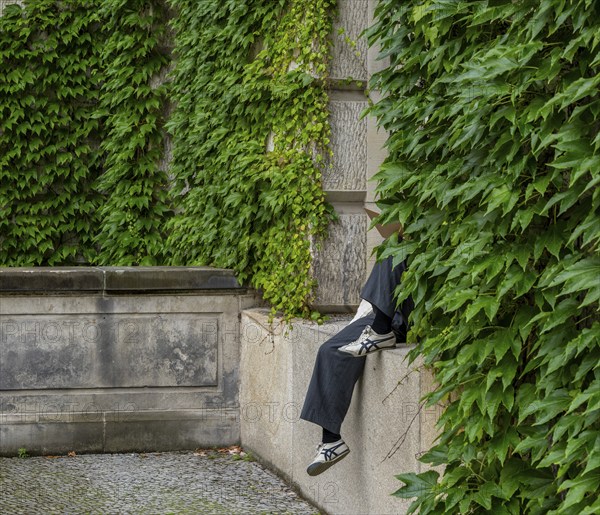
(367, 353)
(314, 469)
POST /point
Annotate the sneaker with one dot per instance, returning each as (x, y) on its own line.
(328, 454)
(369, 342)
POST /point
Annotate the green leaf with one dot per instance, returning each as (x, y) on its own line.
(551, 240)
(490, 306)
(416, 484)
(577, 488)
(580, 276)
(499, 445)
(547, 407)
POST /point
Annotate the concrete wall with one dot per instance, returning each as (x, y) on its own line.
(386, 427)
(119, 359)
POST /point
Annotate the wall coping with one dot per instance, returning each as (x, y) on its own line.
(115, 279)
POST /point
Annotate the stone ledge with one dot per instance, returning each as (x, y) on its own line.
(386, 427)
(116, 279)
(354, 196)
(119, 431)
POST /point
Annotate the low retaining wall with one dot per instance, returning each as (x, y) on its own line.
(386, 429)
(119, 359)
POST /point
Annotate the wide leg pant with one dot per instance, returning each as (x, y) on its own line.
(335, 373)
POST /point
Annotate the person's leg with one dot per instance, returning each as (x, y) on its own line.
(330, 392)
(335, 373)
(381, 285)
(382, 323)
(334, 376)
(379, 290)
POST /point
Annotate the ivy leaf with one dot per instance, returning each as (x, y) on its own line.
(416, 484)
(510, 473)
(593, 458)
(577, 488)
(580, 276)
(548, 407)
(552, 240)
(490, 306)
(500, 445)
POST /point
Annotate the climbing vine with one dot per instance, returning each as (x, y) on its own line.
(85, 174)
(494, 162)
(48, 150)
(250, 135)
(134, 188)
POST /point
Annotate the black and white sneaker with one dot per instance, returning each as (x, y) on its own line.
(328, 454)
(369, 342)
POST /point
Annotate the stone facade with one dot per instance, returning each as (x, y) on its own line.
(350, 57)
(343, 263)
(118, 359)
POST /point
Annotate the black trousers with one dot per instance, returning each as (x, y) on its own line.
(335, 373)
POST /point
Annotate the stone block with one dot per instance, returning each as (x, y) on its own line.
(98, 431)
(349, 145)
(108, 351)
(109, 278)
(340, 263)
(350, 61)
(97, 371)
(376, 140)
(25, 279)
(168, 278)
(172, 430)
(264, 400)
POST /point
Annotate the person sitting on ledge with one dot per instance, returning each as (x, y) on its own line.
(340, 361)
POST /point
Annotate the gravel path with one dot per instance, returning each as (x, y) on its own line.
(155, 483)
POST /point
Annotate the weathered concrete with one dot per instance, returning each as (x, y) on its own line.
(152, 368)
(386, 427)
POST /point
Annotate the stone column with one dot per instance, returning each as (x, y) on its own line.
(345, 258)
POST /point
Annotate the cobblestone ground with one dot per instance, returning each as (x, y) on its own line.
(153, 483)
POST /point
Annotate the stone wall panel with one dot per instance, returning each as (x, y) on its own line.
(348, 60)
(340, 264)
(349, 145)
(138, 360)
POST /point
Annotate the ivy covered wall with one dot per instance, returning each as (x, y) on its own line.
(91, 96)
(493, 113)
(49, 160)
(493, 110)
(252, 77)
